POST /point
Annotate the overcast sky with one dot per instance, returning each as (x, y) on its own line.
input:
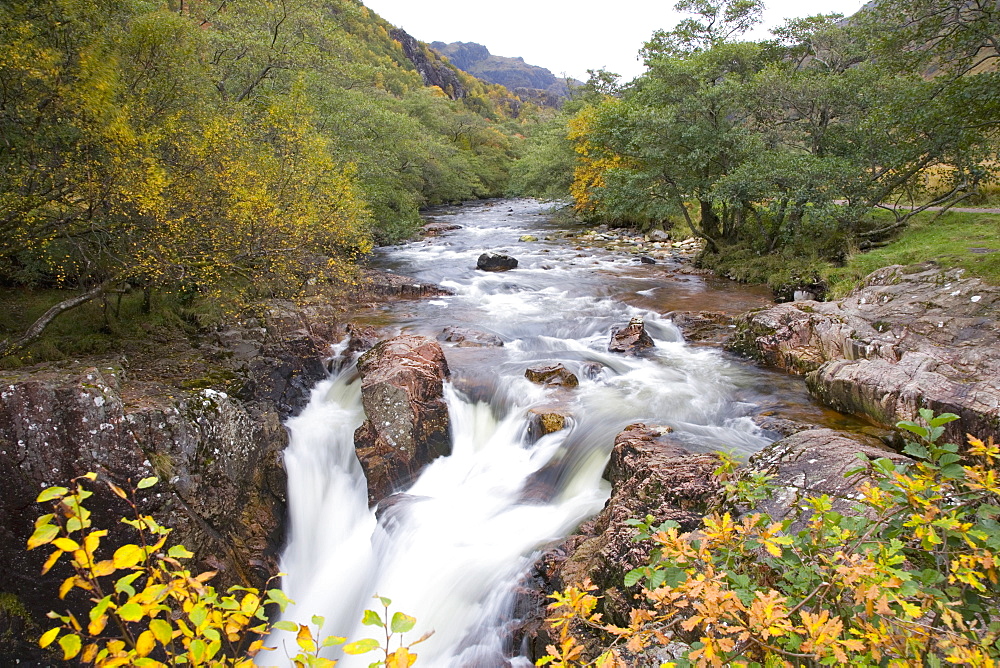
(567, 36)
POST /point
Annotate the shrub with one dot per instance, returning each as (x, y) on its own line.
(148, 610)
(909, 578)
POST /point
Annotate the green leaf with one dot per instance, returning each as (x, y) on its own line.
(949, 458)
(130, 612)
(43, 535)
(330, 641)
(953, 472)
(916, 450)
(944, 418)
(633, 576)
(147, 482)
(278, 596)
(402, 623)
(50, 493)
(124, 585)
(372, 618)
(285, 625)
(161, 630)
(70, 644)
(361, 646)
(385, 601)
(318, 621)
(180, 552)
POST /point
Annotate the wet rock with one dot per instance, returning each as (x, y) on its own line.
(631, 339)
(703, 326)
(528, 237)
(402, 390)
(551, 374)
(437, 229)
(464, 337)
(496, 262)
(909, 338)
(650, 474)
(779, 425)
(546, 420)
(645, 259)
(363, 337)
(811, 463)
(385, 285)
(393, 507)
(591, 370)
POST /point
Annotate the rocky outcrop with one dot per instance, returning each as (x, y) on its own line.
(810, 463)
(909, 338)
(703, 326)
(433, 70)
(551, 374)
(631, 339)
(464, 337)
(650, 474)
(387, 286)
(402, 390)
(545, 420)
(496, 262)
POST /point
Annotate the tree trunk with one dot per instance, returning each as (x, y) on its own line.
(709, 219)
(36, 329)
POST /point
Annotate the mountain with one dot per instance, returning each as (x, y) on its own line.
(527, 81)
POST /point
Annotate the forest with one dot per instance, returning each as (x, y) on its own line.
(228, 149)
(824, 140)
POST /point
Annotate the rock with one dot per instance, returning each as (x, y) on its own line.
(591, 370)
(551, 374)
(437, 229)
(812, 463)
(379, 285)
(703, 326)
(650, 474)
(222, 484)
(909, 338)
(433, 72)
(496, 262)
(659, 235)
(545, 420)
(631, 339)
(363, 338)
(402, 390)
(463, 337)
(528, 237)
(645, 259)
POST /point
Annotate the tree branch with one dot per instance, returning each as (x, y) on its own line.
(8, 347)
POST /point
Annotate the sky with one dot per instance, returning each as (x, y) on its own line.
(567, 36)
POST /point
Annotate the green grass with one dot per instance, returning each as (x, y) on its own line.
(962, 240)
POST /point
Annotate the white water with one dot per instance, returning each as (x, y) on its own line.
(452, 551)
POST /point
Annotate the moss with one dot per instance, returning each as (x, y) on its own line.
(11, 606)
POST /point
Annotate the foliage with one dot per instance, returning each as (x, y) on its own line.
(147, 609)
(771, 145)
(911, 577)
(231, 150)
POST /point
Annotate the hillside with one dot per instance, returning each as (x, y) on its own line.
(528, 81)
(229, 151)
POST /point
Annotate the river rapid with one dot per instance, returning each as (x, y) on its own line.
(453, 552)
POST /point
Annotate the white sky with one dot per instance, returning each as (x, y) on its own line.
(567, 36)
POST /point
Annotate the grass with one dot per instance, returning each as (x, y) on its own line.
(969, 241)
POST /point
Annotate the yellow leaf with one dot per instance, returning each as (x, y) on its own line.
(128, 556)
(97, 625)
(145, 643)
(67, 585)
(48, 637)
(66, 544)
(102, 568)
(51, 561)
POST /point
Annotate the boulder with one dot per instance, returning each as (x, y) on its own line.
(703, 326)
(545, 420)
(551, 374)
(650, 474)
(528, 237)
(631, 339)
(811, 463)
(909, 338)
(464, 337)
(402, 390)
(496, 262)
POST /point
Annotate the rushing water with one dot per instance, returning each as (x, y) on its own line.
(451, 552)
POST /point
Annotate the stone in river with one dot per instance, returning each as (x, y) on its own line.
(496, 262)
(631, 339)
(551, 374)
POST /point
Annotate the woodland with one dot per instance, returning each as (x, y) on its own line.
(228, 150)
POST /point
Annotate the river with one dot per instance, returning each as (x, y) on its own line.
(452, 555)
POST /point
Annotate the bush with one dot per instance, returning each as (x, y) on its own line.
(910, 578)
(148, 610)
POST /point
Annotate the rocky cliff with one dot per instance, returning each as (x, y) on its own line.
(433, 70)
